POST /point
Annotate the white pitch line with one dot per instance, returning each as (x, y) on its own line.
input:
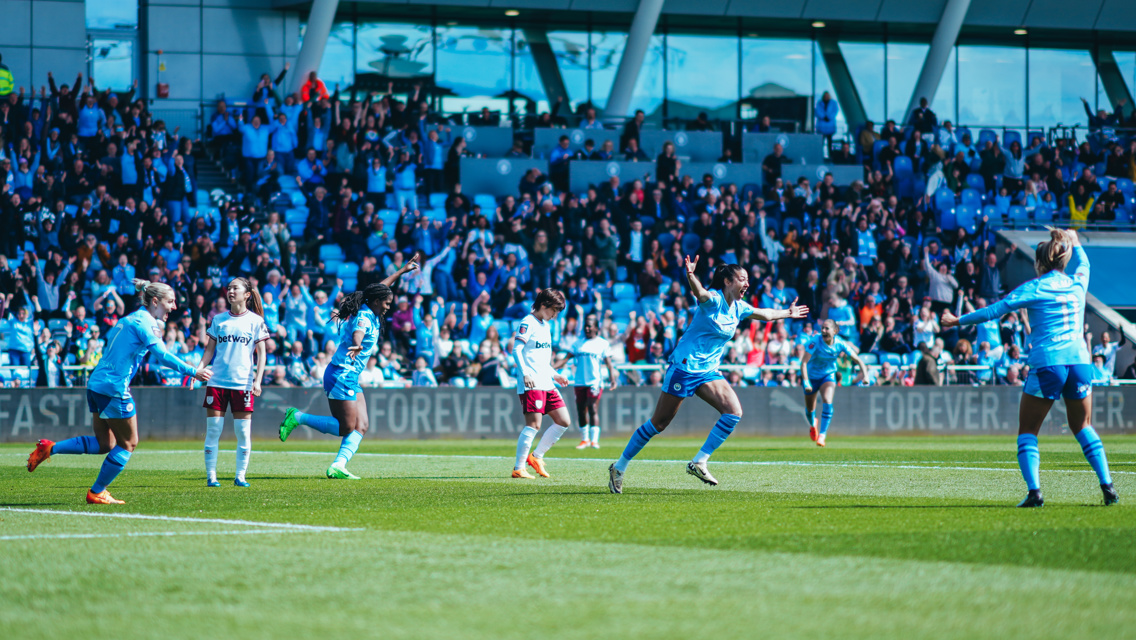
(139, 516)
(145, 534)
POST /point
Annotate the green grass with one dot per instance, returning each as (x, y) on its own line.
(910, 537)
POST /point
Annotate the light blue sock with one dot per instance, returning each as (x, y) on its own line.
(811, 418)
(112, 466)
(1093, 449)
(323, 424)
(348, 447)
(825, 417)
(638, 440)
(1029, 459)
(77, 445)
(722, 430)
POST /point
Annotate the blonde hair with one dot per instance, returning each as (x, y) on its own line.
(151, 291)
(1054, 254)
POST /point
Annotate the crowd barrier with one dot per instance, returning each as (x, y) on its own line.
(27, 415)
(810, 146)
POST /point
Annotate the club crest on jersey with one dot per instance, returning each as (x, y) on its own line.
(522, 330)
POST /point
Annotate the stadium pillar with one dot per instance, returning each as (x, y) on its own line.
(638, 40)
(316, 33)
(946, 35)
(846, 93)
(546, 66)
(1111, 78)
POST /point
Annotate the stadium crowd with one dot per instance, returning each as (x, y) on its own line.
(95, 191)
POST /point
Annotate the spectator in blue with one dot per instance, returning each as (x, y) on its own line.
(434, 150)
(558, 163)
(310, 172)
(223, 126)
(254, 146)
(91, 119)
(123, 276)
(48, 283)
(826, 112)
(297, 304)
(176, 190)
(21, 331)
(405, 184)
(376, 181)
(284, 143)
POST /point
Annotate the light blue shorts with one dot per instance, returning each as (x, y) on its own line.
(815, 383)
(682, 383)
(1072, 382)
(111, 407)
(341, 384)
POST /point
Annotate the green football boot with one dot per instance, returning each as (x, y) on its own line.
(339, 472)
(288, 424)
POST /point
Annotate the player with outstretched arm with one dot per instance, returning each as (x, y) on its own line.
(108, 389)
(360, 316)
(1059, 359)
(237, 339)
(536, 383)
(818, 375)
(589, 355)
(694, 363)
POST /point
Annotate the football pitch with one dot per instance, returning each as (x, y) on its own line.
(913, 537)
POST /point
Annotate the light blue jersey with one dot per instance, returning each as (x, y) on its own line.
(1056, 303)
(823, 357)
(366, 322)
(701, 348)
(127, 345)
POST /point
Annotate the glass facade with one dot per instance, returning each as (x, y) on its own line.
(475, 66)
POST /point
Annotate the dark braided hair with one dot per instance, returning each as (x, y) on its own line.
(354, 302)
(725, 272)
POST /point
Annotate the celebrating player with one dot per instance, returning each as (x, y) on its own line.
(589, 354)
(108, 389)
(823, 351)
(361, 316)
(694, 363)
(1059, 360)
(536, 383)
(235, 337)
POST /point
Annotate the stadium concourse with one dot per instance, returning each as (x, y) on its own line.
(332, 193)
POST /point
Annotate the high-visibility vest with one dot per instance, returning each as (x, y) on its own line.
(7, 84)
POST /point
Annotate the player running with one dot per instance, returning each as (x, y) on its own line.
(823, 351)
(693, 368)
(1059, 360)
(237, 338)
(360, 316)
(536, 383)
(108, 389)
(589, 354)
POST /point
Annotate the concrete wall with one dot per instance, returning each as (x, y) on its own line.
(169, 414)
(42, 36)
(214, 48)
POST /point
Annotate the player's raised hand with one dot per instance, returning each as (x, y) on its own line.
(690, 266)
(354, 351)
(798, 311)
(412, 264)
(949, 320)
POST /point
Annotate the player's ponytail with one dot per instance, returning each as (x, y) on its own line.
(352, 303)
(725, 272)
(1054, 254)
(151, 291)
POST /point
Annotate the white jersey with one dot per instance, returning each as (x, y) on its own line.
(589, 355)
(234, 365)
(533, 345)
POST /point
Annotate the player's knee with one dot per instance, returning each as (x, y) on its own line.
(735, 410)
(661, 422)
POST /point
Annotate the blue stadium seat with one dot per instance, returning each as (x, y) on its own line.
(487, 202)
(966, 216)
(331, 265)
(1010, 137)
(750, 192)
(621, 273)
(331, 251)
(903, 167)
(436, 214)
(971, 198)
(624, 291)
(986, 135)
(893, 359)
(690, 244)
(347, 270)
(623, 308)
(947, 219)
(977, 182)
(350, 285)
(298, 198)
(1126, 187)
(1035, 134)
(876, 148)
(296, 215)
(666, 240)
(994, 219)
(438, 200)
(963, 131)
(297, 229)
(944, 199)
(912, 358)
(790, 223)
(390, 220)
(1018, 214)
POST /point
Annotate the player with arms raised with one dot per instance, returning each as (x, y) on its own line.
(818, 374)
(694, 366)
(536, 383)
(361, 316)
(235, 337)
(589, 355)
(108, 389)
(1059, 359)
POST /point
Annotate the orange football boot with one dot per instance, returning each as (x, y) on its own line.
(41, 454)
(101, 498)
(538, 465)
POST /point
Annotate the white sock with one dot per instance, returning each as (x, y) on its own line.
(584, 433)
(595, 439)
(244, 445)
(213, 427)
(524, 443)
(551, 436)
(701, 457)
